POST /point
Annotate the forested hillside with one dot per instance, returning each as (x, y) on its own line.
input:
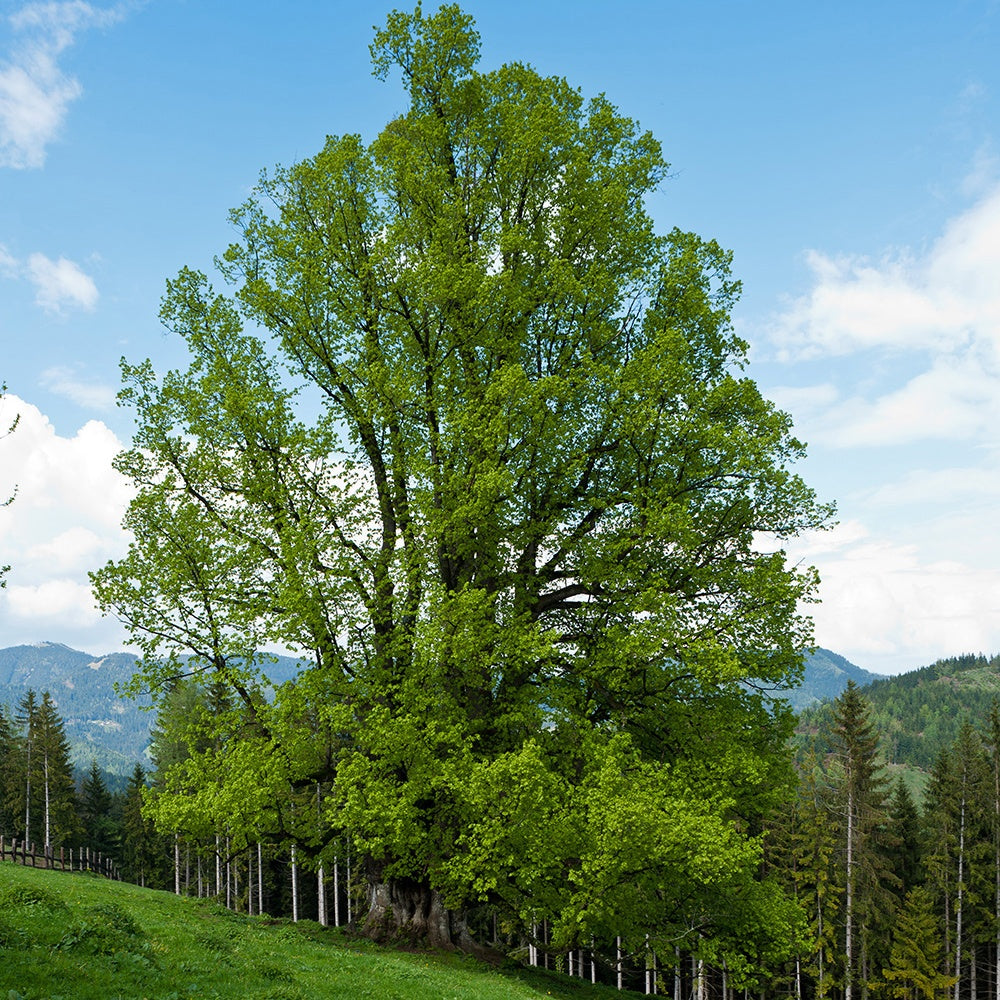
(918, 714)
(825, 675)
(100, 724)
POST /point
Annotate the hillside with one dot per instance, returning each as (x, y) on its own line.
(115, 731)
(826, 675)
(918, 714)
(99, 724)
(82, 938)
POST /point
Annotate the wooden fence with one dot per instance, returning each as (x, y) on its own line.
(67, 859)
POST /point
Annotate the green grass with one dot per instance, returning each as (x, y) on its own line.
(77, 937)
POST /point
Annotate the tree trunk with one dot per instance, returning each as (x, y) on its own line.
(48, 811)
(849, 903)
(406, 910)
(958, 902)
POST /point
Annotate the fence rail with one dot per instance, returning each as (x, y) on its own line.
(67, 859)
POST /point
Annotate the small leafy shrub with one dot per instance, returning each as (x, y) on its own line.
(118, 918)
(274, 972)
(214, 942)
(105, 929)
(18, 895)
(13, 937)
(282, 991)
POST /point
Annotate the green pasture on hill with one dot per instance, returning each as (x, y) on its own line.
(78, 937)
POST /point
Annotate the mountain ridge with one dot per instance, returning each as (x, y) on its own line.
(115, 731)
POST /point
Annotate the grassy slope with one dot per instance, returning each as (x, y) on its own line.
(77, 937)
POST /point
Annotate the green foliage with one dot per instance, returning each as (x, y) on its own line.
(919, 714)
(915, 972)
(468, 431)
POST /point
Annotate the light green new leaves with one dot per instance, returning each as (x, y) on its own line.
(499, 476)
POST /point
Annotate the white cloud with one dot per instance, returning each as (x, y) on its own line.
(910, 343)
(60, 283)
(64, 381)
(64, 522)
(951, 485)
(9, 266)
(887, 608)
(35, 93)
(941, 301)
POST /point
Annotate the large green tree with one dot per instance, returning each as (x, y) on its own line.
(476, 439)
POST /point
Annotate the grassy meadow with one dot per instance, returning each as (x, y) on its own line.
(79, 937)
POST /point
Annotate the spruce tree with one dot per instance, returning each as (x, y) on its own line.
(96, 804)
(817, 832)
(8, 757)
(960, 863)
(864, 817)
(905, 848)
(914, 971)
(24, 767)
(143, 853)
(54, 782)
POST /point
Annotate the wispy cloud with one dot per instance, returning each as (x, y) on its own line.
(64, 381)
(35, 92)
(60, 284)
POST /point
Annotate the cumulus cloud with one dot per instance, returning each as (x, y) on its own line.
(916, 338)
(35, 92)
(887, 607)
(942, 301)
(64, 522)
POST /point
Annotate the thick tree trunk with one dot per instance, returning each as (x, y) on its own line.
(406, 910)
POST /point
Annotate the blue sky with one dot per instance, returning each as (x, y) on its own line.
(848, 154)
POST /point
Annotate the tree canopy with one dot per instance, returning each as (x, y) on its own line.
(471, 436)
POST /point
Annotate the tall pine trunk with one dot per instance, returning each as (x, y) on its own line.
(48, 814)
(960, 892)
(849, 900)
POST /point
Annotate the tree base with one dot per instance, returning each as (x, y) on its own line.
(403, 910)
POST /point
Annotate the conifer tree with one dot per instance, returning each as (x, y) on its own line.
(8, 754)
(863, 807)
(816, 836)
(959, 856)
(54, 776)
(905, 848)
(993, 743)
(27, 720)
(96, 804)
(914, 972)
(143, 851)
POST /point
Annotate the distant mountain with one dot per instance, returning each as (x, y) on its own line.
(99, 725)
(115, 731)
(826, 675)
